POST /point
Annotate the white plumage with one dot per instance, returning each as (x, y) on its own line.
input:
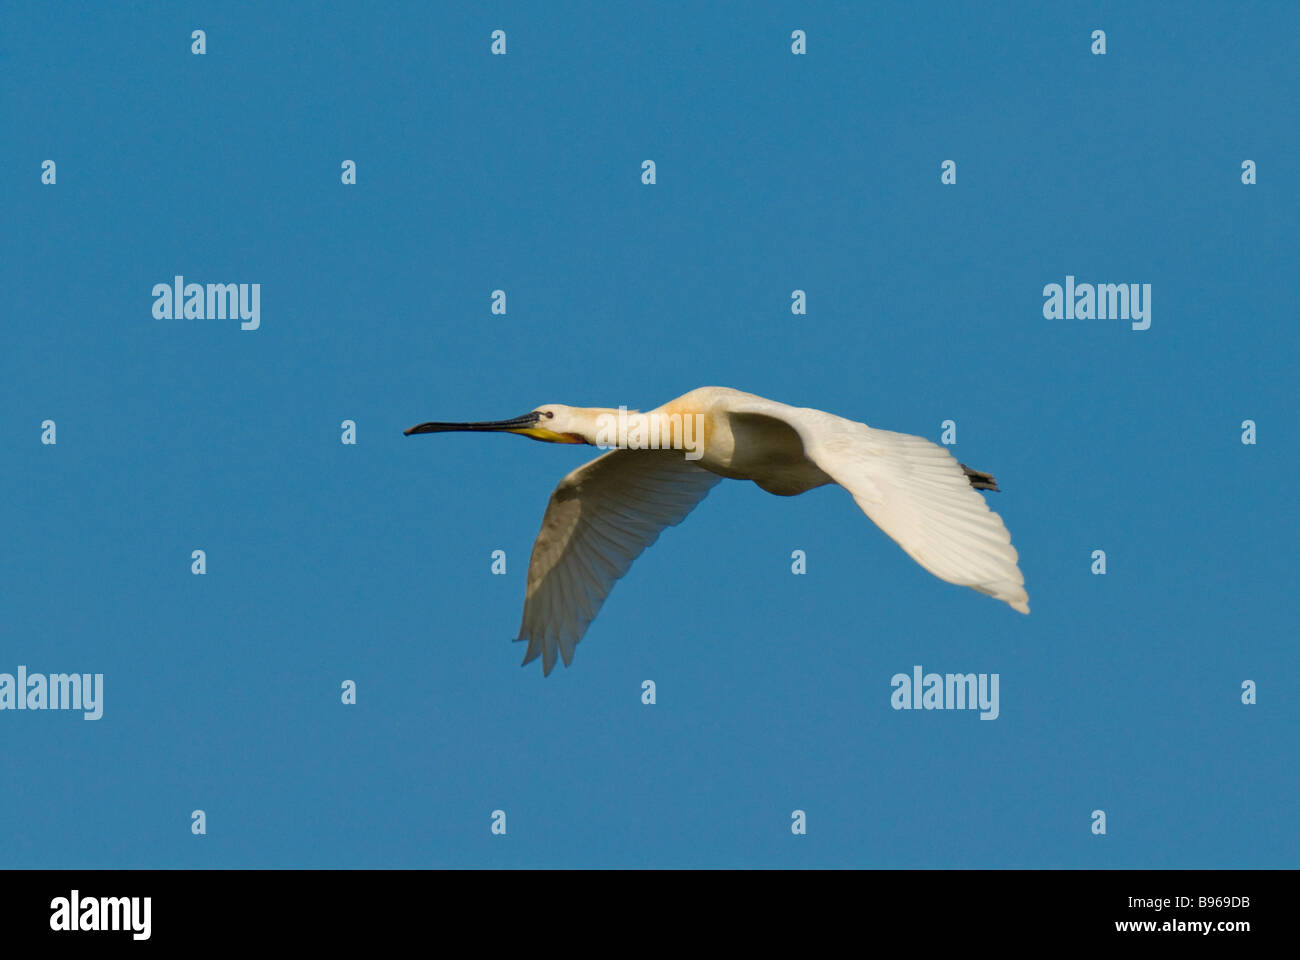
(598, 521)
(602, 515)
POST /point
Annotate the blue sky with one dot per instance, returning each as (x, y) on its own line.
(371, 563)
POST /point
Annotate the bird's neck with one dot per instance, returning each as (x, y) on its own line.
(664, 428)
(600, 426)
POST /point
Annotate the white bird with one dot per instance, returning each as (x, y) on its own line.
(605, 513)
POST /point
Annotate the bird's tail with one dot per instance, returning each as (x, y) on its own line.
(980, 480)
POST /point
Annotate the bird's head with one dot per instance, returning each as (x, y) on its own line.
(550, 423)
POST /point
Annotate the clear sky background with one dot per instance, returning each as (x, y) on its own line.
(775, 172)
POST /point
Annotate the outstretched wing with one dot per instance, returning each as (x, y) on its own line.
(598, 521)
(916, 492)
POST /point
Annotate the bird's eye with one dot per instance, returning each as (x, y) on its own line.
(549, 414)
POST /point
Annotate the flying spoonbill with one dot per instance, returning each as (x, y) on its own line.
(605, 513)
